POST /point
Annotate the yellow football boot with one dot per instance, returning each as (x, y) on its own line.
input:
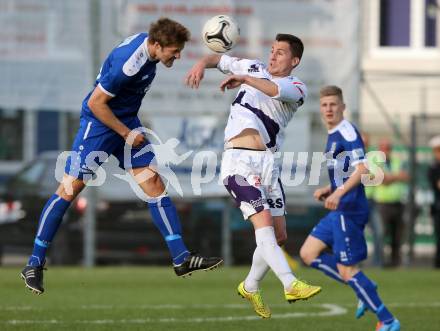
(301, 291)
(256, 300)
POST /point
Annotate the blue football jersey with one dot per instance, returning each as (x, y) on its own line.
(345, 150)
(126, 75)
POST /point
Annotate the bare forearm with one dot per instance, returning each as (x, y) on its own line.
(196, 73)
(354, 179)
(106, 116)
(210, 61)
(264, 85)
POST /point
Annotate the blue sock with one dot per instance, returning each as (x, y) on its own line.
(366, 291)
(327, 264)
(167, 221)
(50, 220)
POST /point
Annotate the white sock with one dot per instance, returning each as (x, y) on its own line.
(273, 255)
(258, 270)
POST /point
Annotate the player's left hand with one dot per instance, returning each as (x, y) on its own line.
(232, 82)
(135, 138)
(332, 201)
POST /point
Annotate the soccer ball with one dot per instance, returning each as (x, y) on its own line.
(220, 33)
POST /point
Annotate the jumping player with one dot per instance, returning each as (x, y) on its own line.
(267, 99)
(108, 122)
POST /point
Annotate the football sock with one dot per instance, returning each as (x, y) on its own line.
(259, 268)
(165, 218)
(366, 291)
(50, 220)
(273, 255)
(327, 264)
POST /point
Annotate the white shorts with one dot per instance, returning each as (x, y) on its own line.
(252, 179)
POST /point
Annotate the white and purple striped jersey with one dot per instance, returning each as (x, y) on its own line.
(255, 110)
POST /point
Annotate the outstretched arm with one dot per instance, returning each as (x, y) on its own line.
(264, 85)
(196, 73)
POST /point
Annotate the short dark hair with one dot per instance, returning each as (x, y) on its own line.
(331, 90)
(296, 45)
(168, 33)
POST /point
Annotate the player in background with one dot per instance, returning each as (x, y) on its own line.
(266, 100)
(342, 229)
(108, 118)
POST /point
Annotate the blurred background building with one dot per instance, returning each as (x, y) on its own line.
(400, 64)
(385, 54)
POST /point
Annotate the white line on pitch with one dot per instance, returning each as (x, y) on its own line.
(330, 310)
(207, 306)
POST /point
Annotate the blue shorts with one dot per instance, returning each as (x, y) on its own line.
(344, 233)
(91, 150)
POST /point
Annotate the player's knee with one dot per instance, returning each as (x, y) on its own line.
(154, 180)
(65, 196)
(346, 276)
(69, 189)
(155, 185)
(306, 255)
(346, 272)
(69, 197)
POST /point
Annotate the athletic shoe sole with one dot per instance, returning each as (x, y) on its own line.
(215, 266)
(32, 289)
(304, 299)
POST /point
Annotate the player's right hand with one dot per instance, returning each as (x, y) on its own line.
(233, 81)
(317, 194)
(195, 75)
(321, 194)
(135, 138)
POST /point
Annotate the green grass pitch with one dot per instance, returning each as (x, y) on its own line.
(153, 298)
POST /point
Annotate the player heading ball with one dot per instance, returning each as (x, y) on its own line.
(109, 116)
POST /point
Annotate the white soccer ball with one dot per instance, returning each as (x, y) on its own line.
(220, 33)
